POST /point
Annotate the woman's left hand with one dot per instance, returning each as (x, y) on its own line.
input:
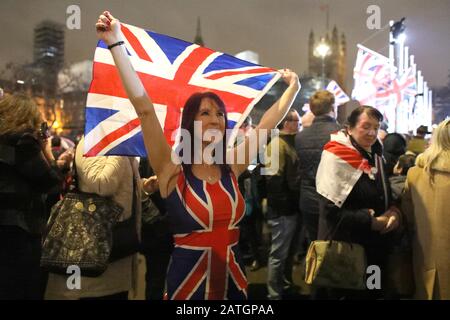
(151, 184)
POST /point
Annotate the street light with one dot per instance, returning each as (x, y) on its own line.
(322, 51)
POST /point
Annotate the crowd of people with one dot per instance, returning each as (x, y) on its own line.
(195, 220)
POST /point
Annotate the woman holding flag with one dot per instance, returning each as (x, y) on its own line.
(203, 199)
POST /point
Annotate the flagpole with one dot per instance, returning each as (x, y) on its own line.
(430, 101)
(425, 103)
(419, 105)
(391, 43)
(392, 62)
(406, 59)
(410, 109)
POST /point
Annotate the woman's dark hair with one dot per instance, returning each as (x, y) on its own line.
(190, 110)
(372, 112)
(405, 162)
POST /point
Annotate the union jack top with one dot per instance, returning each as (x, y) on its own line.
(206, 263)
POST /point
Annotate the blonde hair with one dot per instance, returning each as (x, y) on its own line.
(18, 113)
(440, 142)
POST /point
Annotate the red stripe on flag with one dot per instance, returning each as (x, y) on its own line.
(232, 73)
(191, 64)
(116, 134)
(351, 156)
(135, 43)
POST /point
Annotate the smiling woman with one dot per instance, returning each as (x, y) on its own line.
(203, 200)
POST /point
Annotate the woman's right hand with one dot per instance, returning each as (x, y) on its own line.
(385, 223)
(108, 28)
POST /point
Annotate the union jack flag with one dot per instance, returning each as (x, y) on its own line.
(171, 71)
(402, 88)
(373, 75)
(340, 97)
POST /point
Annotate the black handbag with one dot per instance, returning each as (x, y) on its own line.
(80, 232)
(125, 237)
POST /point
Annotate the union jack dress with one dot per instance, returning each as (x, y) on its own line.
(206, 263)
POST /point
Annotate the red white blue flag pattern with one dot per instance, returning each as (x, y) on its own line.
(171, 70)
(206, 262)
(340, 97)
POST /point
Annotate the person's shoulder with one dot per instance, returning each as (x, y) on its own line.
(26, 141)
(414, 173)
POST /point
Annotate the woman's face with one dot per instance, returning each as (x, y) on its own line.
(365, 132)
(211, 118)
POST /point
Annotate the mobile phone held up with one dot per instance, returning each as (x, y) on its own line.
(44, 131)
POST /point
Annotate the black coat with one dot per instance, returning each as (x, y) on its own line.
(309, 145)
(25, 177)
(356, 221)
(394, 146)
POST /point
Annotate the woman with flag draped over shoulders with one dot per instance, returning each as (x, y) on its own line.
(203, 199)
(356, 206)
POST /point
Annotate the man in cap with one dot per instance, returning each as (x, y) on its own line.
(418, 143)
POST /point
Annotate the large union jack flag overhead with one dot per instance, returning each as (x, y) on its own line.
(171, 70)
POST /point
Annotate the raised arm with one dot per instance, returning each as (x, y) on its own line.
(158, 150)
(269, 120)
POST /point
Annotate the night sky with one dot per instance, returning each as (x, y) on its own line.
(277, 29)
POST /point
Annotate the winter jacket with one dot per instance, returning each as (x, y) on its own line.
(283, 183)
(428, 214)
(25, 177)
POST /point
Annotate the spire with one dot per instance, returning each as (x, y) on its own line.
(311, 36)
(198, 37)
(335, 36)
(311, 52)
(343, 43)
(335, 41)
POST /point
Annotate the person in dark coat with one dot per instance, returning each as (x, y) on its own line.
(356, 205)
(27, 171)
(394, 145)
(309, 145)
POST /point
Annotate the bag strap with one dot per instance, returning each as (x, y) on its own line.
(133, 206)
(74, 183)
(333, 231)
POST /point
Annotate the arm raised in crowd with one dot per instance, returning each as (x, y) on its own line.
(269, 120)
(158, 150)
